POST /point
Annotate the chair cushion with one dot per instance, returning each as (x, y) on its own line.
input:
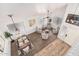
(20, 40)
(26, 49)
(21, 44)
(26, 40)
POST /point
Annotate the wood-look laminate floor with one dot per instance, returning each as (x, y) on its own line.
(38, 43)
(56, 48)
(50, 47)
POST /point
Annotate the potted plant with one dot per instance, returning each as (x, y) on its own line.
(8, 35)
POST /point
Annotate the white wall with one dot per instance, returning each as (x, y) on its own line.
(23, 11)
(58, 14)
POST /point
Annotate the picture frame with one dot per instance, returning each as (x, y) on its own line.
(32, 22)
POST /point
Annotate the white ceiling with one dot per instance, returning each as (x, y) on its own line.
(21, 11)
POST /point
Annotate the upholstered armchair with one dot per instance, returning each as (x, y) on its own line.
(45, 34)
